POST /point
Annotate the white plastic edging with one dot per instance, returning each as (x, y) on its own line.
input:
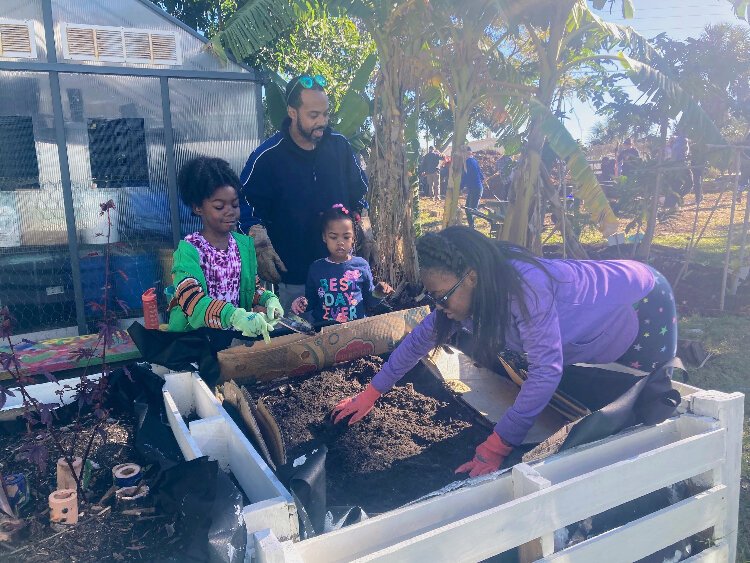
(216, 435)
(44, 393)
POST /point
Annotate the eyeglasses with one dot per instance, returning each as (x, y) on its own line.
(443, 301)
(307, 81)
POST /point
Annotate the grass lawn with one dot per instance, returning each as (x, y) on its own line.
(728, 338)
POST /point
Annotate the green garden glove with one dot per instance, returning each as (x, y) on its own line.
(250, 324)
(273, 310)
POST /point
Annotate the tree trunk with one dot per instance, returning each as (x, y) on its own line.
(458, 159)
(644, 249)
(390, 194)
(525, 180)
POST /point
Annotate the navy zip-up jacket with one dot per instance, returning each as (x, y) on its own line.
(286, 188)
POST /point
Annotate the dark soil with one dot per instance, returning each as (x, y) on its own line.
(409, 445)
(112, 536)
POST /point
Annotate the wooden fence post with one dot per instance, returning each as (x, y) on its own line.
(526, 480)
(728, 409)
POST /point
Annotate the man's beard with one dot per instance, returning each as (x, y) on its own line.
(309, 134)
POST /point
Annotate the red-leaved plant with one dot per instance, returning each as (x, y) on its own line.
(89, 395)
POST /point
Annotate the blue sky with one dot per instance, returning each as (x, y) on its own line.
(678, 18)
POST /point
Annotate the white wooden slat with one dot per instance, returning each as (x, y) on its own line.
(718, 553)
(649, 534)
(635, 441)
(398, 525)
(499, 529)
(408, 522)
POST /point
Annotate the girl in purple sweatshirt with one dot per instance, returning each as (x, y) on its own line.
(557, 312)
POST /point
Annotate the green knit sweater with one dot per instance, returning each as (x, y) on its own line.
(192, 307)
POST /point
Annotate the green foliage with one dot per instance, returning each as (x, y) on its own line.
(694, 120)
(587, 186)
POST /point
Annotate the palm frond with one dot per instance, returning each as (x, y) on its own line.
(587, 186)
(258, 23)
(694, 121)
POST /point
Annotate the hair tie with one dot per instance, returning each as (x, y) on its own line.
(341, 206)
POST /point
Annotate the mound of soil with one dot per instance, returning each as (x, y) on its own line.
(407, 446)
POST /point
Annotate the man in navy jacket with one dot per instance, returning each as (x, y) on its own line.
(290, 179)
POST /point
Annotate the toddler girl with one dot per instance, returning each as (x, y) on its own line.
(339, 288)
(214, 270)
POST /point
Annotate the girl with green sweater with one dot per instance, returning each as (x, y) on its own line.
(215, 269)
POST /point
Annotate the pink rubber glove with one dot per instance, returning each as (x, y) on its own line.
(358, 406)
(489, 457)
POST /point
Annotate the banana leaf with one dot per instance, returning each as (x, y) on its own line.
(587, 186)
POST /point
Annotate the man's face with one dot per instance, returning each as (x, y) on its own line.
(311, 118)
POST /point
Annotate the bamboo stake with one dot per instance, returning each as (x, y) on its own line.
(741, 257)
(691, 248)
(735, 189)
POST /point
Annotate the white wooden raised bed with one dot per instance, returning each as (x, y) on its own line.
(520, 507)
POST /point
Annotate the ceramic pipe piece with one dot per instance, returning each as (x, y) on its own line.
(65, 479)
(63, 506)
(126, 474)
(132, 497)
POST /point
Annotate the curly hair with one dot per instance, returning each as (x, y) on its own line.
(202, 176)
(459, 249)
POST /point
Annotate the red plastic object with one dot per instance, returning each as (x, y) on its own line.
(150, 309)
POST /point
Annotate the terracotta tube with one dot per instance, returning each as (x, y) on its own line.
(63, 506)
(65, 479)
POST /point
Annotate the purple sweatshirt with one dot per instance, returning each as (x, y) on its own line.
(583, 313)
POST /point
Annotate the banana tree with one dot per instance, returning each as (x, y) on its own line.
(396, 28)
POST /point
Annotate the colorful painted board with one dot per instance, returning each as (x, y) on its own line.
(59, 354)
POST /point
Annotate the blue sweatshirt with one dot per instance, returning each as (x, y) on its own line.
(339, 292)
(472, 177)
(287, 188)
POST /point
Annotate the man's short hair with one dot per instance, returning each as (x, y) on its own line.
(467, 148)
(432, 148)
(294, 91)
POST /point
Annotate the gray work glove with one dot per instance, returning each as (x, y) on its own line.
(269, 262)
(365, 240)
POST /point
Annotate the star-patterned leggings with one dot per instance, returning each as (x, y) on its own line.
(657, 328)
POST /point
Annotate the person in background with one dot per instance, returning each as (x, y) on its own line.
(626, 157)
(214, 270)
(293, 177)
(680, 154)
(339, 287)
(430, 169)
(558, 312)
(472, 180)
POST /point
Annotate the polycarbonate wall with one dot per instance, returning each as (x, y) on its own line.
(133, 14)
(219, 118)
(36, 280)
(115, 142)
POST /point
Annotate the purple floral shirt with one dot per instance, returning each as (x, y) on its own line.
(221, 267)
